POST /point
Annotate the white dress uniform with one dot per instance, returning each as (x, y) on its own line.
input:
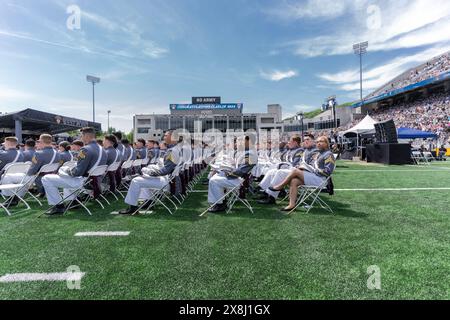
(90, 156)
(276, 176)
(153, 177)
(40, 158)
(6, 158)
(223, 180)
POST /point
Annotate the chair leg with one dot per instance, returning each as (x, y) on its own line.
(37, 200)
(6, 209)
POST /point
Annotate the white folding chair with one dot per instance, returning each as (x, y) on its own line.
(233, 195)
(45, 169)
(308, 196)
(128, 176)
(428, 156)
(112, 169)
(97, 172)
(158, 195)
(15, 188)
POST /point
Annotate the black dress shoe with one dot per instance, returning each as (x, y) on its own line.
(218, 208)
(129, 210)
(286, 210)
(274, 190)
(57, 210)
(268, 200)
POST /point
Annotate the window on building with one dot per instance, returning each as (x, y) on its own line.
(143, 130)
(142, 122)
(267, 120)
(162, 123)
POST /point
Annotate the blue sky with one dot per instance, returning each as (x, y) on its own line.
(151, 53)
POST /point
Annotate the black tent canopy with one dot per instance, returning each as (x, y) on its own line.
(34, 122)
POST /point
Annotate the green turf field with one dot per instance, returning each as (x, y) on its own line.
(244, 256)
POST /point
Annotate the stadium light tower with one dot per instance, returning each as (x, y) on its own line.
(109, 128)
(302, 115)
(361, 49)
(93, 80)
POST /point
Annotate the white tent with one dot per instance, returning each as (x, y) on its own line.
(367, 125)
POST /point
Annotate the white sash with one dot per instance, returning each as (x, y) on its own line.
(54, 156)
(131, 153)
(17, 157)
(100, 149)
(117, 155)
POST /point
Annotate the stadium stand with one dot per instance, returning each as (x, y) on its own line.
(430, 69)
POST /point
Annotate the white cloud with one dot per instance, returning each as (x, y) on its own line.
(278, 75)
(7, 93)
(402, 24)
(327, 9)
(100, 21)
(348, 80)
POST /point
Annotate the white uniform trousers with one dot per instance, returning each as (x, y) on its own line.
(14, 178)
(218, 185)
(272, 178)
(140, 188)
(52, 182)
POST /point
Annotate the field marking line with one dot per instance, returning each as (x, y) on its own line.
(31, 277)
(103, 234)
(394, 189)
(395, 170)
(116, 213)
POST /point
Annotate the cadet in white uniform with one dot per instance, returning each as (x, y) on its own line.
(322, 166)
(298, 156)
(91, 155)
(153, 178)
(8, 156)
(223, 180)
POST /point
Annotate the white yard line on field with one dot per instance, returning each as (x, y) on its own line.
(394, 189)
(30, 277)
(103, 234)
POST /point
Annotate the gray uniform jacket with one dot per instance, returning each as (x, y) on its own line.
(111, 155)
(65, 156)
(171, 160)
(41, 158)
(28, 155)
(8, 156)
(87, 158)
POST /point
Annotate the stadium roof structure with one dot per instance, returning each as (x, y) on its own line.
(32, 121)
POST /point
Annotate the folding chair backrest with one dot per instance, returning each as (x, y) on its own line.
(176, 171)
(127, 164)
(70, 164)
(18, 167)
(50, 168)
(137, 163)
(98, 171)
(113, 167)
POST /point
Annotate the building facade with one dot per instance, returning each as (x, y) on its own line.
(203, 117)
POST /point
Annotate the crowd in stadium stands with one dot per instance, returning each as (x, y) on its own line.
(431, 69)
(430, 114)
(427, 114)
